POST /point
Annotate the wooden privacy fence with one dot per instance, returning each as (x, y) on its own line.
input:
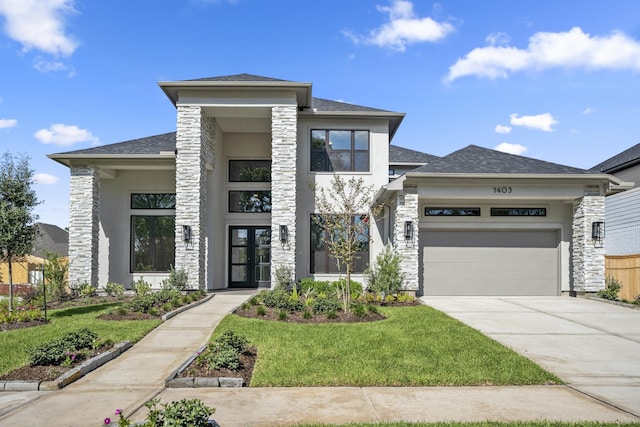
(626, 269)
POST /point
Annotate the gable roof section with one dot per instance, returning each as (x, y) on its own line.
(628, 158)
(51, 239)
(405, 155)
(150, 145)
(244, 77)
(479, 160)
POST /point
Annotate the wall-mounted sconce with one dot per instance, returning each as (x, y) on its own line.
(284, 234)
(597, 233)
(186, 234)
(408, 230)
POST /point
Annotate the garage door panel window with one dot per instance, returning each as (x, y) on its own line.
(518, 211)
(429, 211)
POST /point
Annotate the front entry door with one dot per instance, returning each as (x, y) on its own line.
(249, 257)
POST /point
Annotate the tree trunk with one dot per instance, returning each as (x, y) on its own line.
(10, 259)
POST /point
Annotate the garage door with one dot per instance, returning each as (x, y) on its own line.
(491, 262)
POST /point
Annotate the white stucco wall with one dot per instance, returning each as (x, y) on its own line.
(115, 222)
(377, 177)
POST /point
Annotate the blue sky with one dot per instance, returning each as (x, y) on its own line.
(553, 80)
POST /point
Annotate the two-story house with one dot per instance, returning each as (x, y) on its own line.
(227, 198)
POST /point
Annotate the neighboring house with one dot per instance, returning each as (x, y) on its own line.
(49, 239)
(226, 197)
(623, 209)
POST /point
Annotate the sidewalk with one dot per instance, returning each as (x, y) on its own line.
(139, 374)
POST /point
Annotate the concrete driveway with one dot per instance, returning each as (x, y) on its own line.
(593, 346)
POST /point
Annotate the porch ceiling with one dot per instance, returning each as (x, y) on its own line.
(241, 119)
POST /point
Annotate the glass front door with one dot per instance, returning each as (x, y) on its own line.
(249, 257)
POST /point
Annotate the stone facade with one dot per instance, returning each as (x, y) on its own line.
(84, 225)
(195, 154)
(407, 210)
(284, 121)
(587, 259)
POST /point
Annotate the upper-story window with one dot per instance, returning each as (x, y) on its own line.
(339, 150)
(249, 170)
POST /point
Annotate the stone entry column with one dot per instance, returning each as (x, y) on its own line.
(284, 120)
(407, 210)
(587, 259)
(84, 225)
(194, 142)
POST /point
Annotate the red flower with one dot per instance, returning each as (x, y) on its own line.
(107, 421)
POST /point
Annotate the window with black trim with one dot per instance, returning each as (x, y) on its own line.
(518, 211)
(321, 259)
(249, 201)
(153, 234)
(452, 211)
(339, 150)
(249, 170)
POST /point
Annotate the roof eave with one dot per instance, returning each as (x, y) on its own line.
(394, 118)
(417, 176)
(303, 90)
(68, 159)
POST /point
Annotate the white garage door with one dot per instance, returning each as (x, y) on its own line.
(488, 262)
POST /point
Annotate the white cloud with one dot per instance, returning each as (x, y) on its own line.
(589, 110)
(65, 135)
(505, 147)
(502, 129)
(497, 39)
(45, 178)
(39, 24)
(7, 123)
(403, 28)
(543, 122)
(570, 49)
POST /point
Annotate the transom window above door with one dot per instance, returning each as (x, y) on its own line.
(340, 150)
(249, 170)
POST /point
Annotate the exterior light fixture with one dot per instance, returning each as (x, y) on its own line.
(408, 230)
(284, 234)
(597, 233)
(186, 233)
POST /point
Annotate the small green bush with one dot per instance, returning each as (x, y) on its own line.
(86, 290)
(57, 351)
(178, 279)
(140, 287)
(385, 276)
(282, 315)
(325, 305)
(183, 413)
(276, 298)
(233, 340)
(332, 314)
(284, 277)
(114, 289)
(612, 287)
(358, 310)
(307, 314)
(261, 310)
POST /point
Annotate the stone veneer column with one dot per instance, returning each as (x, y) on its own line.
(84, 200)
(588, 261)
(194, 142)
(407, 210)
(284, 120)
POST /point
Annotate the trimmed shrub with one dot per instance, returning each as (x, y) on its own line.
(612, 287)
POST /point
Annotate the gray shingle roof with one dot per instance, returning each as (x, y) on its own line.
(51, 238)
(474, 159)
(328, 106)
(406, 155)
(237, 78)
(149, 145)
(626, 159)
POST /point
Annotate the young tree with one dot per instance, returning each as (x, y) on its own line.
(17, 220)
(344, 212)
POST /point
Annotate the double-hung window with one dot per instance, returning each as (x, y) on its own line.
(153, 228)
(339, 150)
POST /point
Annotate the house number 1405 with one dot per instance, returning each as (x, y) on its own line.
(503, 190)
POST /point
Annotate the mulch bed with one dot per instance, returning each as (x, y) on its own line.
(247, 362)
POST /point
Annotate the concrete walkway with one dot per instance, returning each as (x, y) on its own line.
(138, 375)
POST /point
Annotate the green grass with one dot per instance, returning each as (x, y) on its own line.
(480, 424)
(414, 346)
(14, 344)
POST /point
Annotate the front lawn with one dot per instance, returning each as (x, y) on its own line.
(14, 344)
(414, 346)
